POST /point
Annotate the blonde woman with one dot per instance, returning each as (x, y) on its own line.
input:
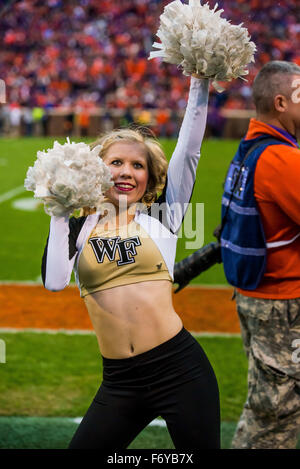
(123, 261)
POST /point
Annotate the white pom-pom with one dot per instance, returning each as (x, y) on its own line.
(199, 41)
(69, 176)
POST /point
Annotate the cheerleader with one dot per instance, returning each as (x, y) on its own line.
(123, 259)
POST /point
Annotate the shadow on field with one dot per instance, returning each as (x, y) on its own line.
(56, 432)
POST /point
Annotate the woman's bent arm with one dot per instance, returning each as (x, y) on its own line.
(59, 255)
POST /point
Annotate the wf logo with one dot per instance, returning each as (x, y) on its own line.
(109, 246)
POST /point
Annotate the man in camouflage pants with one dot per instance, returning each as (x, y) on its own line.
(270, 315)
(271, 415)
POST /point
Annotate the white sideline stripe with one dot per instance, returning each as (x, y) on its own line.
(12, 193)
(73, 284)
(20, 283)
(15, 330)
(215, 334)
(157, 423)
(154, 423)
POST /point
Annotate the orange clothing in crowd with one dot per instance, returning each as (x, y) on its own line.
(84, 119)
(162, 116)
(277, 192)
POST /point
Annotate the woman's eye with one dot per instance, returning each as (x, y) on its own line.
(119, 162)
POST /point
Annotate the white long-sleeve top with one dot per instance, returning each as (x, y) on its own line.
(162, 221)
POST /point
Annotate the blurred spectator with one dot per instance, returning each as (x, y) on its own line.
(83, 122)
(15, 115)
(107, 122)
(45, 122)
(173, 124)
(69, 123)
(144, 117)
(162, 121)
(215, 122)
(127, 118)
(27, 120)
(37, 116)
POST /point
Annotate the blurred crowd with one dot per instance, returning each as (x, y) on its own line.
(80, 56)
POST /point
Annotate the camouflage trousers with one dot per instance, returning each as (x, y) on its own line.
(270, 331)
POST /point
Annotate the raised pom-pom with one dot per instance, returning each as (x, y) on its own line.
(67, 177)
(199, 41)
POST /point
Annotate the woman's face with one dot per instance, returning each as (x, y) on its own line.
(128, 164)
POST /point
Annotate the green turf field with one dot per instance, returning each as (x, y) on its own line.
(48, 380)
(58, 374)
(48, 377)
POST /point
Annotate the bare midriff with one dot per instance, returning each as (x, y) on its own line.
(132, 319)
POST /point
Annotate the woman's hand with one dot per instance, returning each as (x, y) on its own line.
(200, 77)
(53, 207)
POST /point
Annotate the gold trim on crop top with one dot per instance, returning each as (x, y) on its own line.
(125, 255)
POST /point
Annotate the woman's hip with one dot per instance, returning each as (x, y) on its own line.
(178, 359)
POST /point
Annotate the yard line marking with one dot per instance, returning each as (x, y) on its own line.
(77, 420)
(12, 193)
(157, 423)
(215, 334)
(154, 423)
(16, 330)
(27, 204)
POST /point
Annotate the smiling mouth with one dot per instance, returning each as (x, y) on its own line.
(124, 187)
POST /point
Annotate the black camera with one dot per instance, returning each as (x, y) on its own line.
(198, 262)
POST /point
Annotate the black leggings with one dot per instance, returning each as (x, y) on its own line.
(174, 380)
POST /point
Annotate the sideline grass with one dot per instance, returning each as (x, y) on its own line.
(48, 377)
(56, 433)
(58, 375)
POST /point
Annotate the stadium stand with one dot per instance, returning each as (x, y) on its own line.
(87, 60)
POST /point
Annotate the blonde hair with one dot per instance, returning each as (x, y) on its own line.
(156, 159)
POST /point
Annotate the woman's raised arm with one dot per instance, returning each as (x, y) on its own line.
(183, 164)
